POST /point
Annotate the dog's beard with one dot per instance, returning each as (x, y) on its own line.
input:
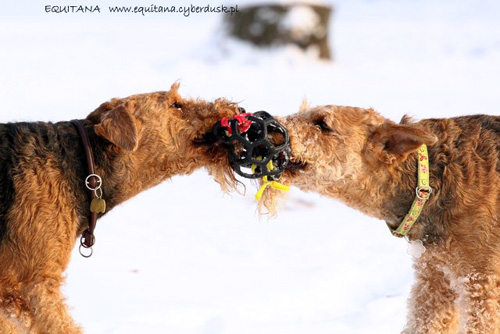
(224, 176)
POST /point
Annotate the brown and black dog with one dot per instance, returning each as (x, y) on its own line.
(370, 163)
(137, 141)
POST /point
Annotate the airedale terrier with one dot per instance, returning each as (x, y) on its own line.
(370, 163)
(137, 142)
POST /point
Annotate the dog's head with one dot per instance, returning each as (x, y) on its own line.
(334, 148)
(163, 134)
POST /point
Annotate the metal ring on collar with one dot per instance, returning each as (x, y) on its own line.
(87, 182)
(82, 252)
(426, 189)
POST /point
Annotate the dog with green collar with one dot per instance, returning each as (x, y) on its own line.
(436, 182)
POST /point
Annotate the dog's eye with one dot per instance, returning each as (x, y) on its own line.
(320, 123)
(177, 105)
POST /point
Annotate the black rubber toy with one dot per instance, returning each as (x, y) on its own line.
(265, 140)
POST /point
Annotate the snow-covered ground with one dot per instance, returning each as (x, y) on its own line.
(183, 257)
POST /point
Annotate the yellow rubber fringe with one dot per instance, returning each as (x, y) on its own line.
(273, 184)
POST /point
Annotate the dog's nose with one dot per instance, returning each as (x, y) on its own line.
(242, 110)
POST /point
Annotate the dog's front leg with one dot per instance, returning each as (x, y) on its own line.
(49, 313)
(479, 301)
(432, 308)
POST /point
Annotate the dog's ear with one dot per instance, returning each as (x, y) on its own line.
(304, 106)
(174, 89)
(118, 126)
(399, 140)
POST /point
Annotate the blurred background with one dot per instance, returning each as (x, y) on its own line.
(185, 258)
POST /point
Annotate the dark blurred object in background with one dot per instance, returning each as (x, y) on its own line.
(301, 24)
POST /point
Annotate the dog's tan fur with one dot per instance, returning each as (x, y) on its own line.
(368, 162)
(138, 142)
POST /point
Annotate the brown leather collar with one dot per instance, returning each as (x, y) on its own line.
(93, 182)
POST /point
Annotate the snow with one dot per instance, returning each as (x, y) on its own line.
(302, 21)
(183, 257)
